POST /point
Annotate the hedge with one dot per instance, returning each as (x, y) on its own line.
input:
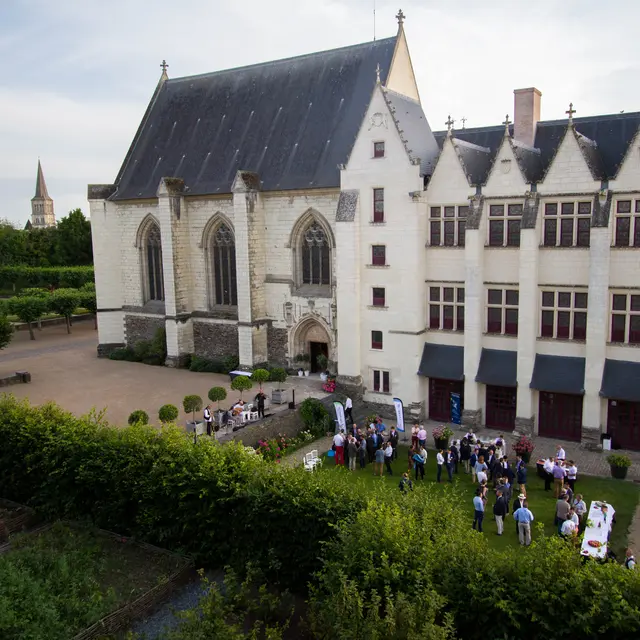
(22, 276)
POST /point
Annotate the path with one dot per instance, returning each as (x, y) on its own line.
(322, 445)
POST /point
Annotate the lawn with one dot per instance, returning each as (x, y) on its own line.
(55, 583)
(622, 495)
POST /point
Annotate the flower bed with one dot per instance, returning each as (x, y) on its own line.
(276, 448)
(330, 385)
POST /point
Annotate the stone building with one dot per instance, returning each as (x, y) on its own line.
(42, 214)
(304, 206)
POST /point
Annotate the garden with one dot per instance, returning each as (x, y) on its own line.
(361, 559)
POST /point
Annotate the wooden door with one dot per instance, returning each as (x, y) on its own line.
(623, 424)
(440, 398)
(500, 408)
(560, 416)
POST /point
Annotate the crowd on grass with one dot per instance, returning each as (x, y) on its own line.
(490, 469)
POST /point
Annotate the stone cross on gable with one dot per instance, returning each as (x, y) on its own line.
(164, 66)
(570, 112)
(506, 122)
(400, 17)
(450, 122)
(464, 121)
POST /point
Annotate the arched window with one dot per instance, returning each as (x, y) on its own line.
(153, 257)
(316, 263)
(223, 267)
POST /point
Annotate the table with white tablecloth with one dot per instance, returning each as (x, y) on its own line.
(599, 529)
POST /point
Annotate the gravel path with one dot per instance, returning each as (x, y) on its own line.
(322, 445)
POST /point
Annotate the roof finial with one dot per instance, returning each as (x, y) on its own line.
(464, 121)
(400, 17)
(164, 66)
(570, 112)
(450, 122)
(378, 73)
(506, 124)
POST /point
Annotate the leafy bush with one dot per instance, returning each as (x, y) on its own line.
(204, 365)
(230, 363)
(168, 413)
(278, 375)
(217, 394)
(312, 412)
(64, 302)
(241, 384)
(35, 291)
(260, 376)
(6, 331)
(123, 353)
(29, 309)
(191, 404)
(152, 352)
(23, 276)
(138, 417)
(618, 460)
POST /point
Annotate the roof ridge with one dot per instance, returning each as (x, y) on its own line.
(470, 145)
(255, 65)
(401, 95)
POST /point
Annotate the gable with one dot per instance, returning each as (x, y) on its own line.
(449, 182)
(505, 176)
(290, 121)
(568, 170)
(401, 78)
(628, 175)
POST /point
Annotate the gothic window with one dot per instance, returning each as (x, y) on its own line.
(316, 263)
(153, 257)
(223, 267)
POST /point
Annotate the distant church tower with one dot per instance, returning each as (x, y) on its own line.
(42, 214)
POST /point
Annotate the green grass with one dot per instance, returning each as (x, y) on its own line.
(622, 495)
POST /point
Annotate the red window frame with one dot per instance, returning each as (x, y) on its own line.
(378, 205)
(376, 339)
(378, 149)
(379, 297)
(379, 255)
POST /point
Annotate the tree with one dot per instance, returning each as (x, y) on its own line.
(278, 375)
(260, 376)
(29, 309)
(191, 404)
(138, 417)
(217, 394)
(89, 301)
(65, 302)
(6, 331)
(168, 413)
(241, 383)
(73, 240)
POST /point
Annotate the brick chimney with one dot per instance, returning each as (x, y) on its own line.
(526, 114)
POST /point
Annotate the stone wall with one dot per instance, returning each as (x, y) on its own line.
(287, 422)
(138, 328)
(277, 340)
(215, 341)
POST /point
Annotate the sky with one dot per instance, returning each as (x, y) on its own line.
(77, 75)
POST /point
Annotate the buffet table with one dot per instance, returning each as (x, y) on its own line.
(599, 530)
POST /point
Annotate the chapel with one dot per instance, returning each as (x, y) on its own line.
(304, 207)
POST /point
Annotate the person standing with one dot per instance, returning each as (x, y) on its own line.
(629, 560)
(414, 434)
(478, 511)
(208, 419)
(260, 400)
(465, 454)
(500, 510)
(449, 461)
(362, 452)
(388, 457)
(562, 510)
(439, 463)
(548, 473)
(524, 518)
(560, 453)
(518, 503)
(353, 453)
(348, 409)
(522, 478)
(473, 459)
(377, 467)
(580, 507)
(419, 458)
(371, 446)
(422, 436)
(481, 469)
(394, 437)
(558, 478)
(572, 474)
(456, 456)
(338, 443)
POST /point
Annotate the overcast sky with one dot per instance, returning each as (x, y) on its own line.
(77, 74)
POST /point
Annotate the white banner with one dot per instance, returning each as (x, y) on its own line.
(399, 414)
(342, 422)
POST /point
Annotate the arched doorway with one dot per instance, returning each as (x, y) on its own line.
(311, 338)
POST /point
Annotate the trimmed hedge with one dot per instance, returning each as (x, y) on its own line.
(21, 276)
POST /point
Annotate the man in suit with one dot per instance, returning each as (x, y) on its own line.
(500, 510)
(394, 436)
(371, 447)
(518, 503)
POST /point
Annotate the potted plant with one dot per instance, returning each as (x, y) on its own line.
(138, 417)
(302, 358)
(191, 404)
(241, 384)
(442, 435)
(278, 395)
(322, 362)
(619, 465)
(260, 376)
(523, 448)
(217, 394)
(168, 413)
(329, 385)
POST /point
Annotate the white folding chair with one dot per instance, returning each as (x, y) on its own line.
(315, 459)
(308, 462)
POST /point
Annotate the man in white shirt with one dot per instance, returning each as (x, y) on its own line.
(338, 443)
(548, 473)
(348, 408)
(560, 454)
(629, 561)
(422, 436)
(569, 528)
(207, 418)
(388, 456)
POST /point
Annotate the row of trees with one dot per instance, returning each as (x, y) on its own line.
(67, 244)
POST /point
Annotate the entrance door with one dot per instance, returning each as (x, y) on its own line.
(560, 416)
(623, 424)
(440, 398)
(317, 348)
(500, 408)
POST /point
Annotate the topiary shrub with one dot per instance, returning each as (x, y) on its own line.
(65, 302)
(168, 413)
(191, 404)
(217, 394)
(6, 331)
(278, 375)
(260, 376)
(29, 309)
(138, 417)
(241, 384)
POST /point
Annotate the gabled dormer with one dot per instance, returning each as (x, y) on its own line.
(506, 176)
(627, 177)
(451, 182)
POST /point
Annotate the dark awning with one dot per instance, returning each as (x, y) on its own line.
(558, 374)
(442, 361)
(621, 380)
(498, 368)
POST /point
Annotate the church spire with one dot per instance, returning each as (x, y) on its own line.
(41, 185)
(164, 66)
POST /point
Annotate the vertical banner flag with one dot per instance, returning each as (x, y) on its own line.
(399, 414)
(456, 412)
(342, 422)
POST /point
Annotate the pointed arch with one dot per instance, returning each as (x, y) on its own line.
(219, 246)
(149, 243)
(312, 243)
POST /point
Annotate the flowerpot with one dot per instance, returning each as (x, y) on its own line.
(619, 472)
(279, 396)
(198, 427)
(306, 374)
(300, 374)
(323, 377)
(441, 443)
(526, 456)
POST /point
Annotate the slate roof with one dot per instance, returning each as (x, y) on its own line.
(414, 130)
(41, 185)
(604, 141)
(290, 121)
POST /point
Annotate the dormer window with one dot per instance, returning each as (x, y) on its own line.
(378, 149)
